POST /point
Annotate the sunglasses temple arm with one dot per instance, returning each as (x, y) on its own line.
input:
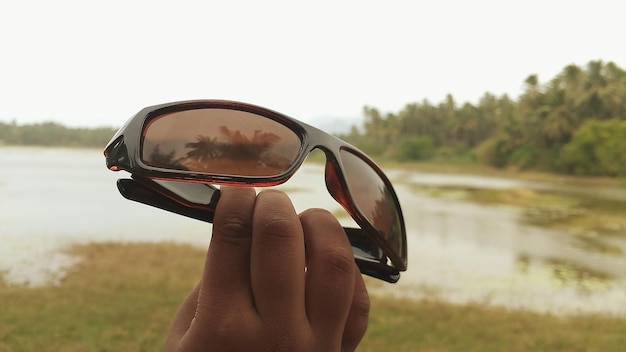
(137, 192)
(370, 259)
(372, 264)
(378, 270)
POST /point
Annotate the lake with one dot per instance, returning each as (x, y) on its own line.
(51, 198)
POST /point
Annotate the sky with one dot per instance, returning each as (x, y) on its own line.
(96, 63)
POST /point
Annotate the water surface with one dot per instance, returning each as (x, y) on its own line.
(459, 251)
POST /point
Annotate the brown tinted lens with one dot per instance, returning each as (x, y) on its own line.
(219, 141)
(374, 199)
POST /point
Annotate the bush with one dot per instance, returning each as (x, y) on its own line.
(416, 148)
(454, 155)
(494, 151)
(524, 157)
(598, 148)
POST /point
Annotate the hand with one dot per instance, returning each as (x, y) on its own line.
(273, 281)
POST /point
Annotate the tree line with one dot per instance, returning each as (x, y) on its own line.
(575, 123)
(54, 134)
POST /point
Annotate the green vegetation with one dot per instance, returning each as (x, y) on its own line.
(574, 124)
(596, 148)
(54, 134)
(121, 297)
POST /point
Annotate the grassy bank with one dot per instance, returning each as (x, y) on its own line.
(121, 297)
(513, 173)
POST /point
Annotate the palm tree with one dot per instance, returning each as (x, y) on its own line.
(204, 149)
(240, 147)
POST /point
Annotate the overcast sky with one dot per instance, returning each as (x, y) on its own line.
(96, 63)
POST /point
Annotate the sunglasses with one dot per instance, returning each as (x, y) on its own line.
(176, 152)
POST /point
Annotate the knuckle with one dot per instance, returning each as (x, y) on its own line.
(274, 217)
(276, 226)
(338, 261)
(234, 228)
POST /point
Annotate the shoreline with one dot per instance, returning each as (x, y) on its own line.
(426, 167)
(510, 173)
(71, 260)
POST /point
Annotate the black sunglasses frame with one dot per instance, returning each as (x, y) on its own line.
(124, 153)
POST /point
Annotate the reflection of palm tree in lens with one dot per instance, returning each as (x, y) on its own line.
(164, 160)
(204, 148)
(240, 147)
(209, 154)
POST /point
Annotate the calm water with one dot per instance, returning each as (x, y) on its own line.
(52, 198)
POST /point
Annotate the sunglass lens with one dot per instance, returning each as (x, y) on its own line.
(374, 200)
(219, 141)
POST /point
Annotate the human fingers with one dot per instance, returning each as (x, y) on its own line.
(225, 284)
(358, 317)
(330, 275)
(277, 260)
(182, 320)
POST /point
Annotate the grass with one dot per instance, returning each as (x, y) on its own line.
(121, 297)
(401, 325)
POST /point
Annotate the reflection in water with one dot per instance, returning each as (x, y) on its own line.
(581, 277)
(583, 280)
